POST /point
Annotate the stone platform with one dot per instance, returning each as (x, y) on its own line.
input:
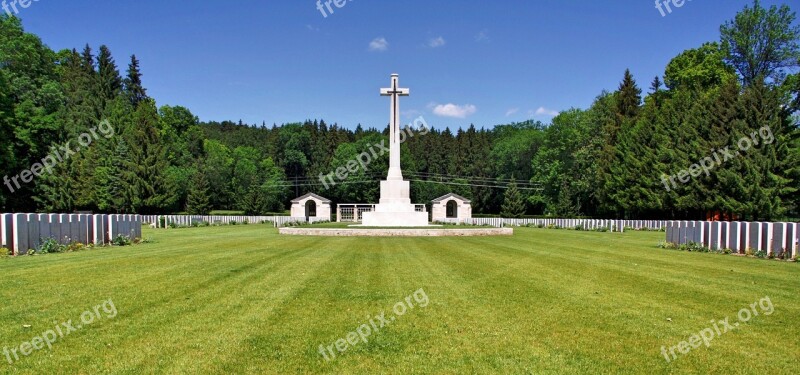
(382, 232)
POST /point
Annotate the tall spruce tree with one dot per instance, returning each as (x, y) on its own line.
(148, 161)
(132, 85)
(109, 82)
(630, 97)
(513, 204)
(198, 202)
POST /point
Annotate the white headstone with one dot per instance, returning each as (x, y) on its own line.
(99, 230)
(6, 237)
(795, 239)
(734, 233)
(55, 226)
(44, 226)
(64, 228)
(779, 238)
(33, 231)
(766, 237)
(755, 236)
(20, 234)
(716, 235)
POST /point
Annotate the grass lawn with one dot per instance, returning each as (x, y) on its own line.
(242, 299)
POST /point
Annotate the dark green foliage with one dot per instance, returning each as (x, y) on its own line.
(513, 204)
(198, 201)
(121, 240)
(630, 97)
(132, 84)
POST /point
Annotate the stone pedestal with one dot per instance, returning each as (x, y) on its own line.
(395, 208)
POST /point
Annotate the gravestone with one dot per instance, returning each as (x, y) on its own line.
(21, 243)
(725, 229)
(733, 236)
(33, 231)
(43, 220)
(716, 235)
(706, 234)
(63, 219)
(778, 238)
(99, 230)
(766, 237)
(6, 237)
(697, 232)
(74, 228)
(755, 236)
(55, 226)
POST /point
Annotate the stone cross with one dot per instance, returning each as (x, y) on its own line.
(395, 173)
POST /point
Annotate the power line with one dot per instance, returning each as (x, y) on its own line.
(412, 180)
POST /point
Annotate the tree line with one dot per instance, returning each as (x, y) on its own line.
(609, 160)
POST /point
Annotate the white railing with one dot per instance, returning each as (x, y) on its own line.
(351, 212)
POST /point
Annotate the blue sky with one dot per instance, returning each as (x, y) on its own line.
(469, 61)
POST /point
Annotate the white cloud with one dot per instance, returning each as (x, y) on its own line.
(512, 111)
(379, 44)
(312, 28)
(453, 110)
(436, 42)
(542, 111)
(482, 36)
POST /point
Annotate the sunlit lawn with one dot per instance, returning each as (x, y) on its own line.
(242, 299)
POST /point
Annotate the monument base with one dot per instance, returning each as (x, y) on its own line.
(395, 208)
(395, 219)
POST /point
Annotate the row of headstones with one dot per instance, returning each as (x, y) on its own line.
(22, 232)
(164, 221)
(773, 238)
(585, 224)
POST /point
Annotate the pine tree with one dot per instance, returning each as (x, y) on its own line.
(132, 84)
(121, 179)
(630, 97)
(148, 162)
(109, 82)
(774, 163)
(87, 60)
(725, 189)
(198, 202)
(254, 200)
(54, 191)
(656, 91)
(513, 204)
